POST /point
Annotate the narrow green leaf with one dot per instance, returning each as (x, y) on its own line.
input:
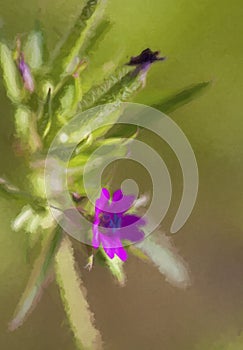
(111, 141)
(124, 131)
(45, 120)
(92, 144)
(69, 99)
(182, 97)
(12, 192)
(124, 89)
(99, 33)
(98, 93)
(33, 50)
(74, 299)
(80, 127)
(40, 276)
(77, 36)
(11, 75)
(54, 111)
(78, 93)
(65, 101)
(161, 252)
(77, 162)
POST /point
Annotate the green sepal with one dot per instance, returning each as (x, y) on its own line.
(11, 75)
(33, 50)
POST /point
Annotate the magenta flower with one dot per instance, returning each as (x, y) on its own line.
(26, 74)
(112, 225)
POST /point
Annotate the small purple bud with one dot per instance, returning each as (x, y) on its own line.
(143, 63)
(145, 59)
(26, 74)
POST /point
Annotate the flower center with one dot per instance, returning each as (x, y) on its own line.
(112, 221)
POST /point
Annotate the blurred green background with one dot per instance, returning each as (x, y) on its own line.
(203, 41)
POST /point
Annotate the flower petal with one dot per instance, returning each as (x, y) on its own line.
(110, 241)
(128, 220)
(132, 234)
(102, 203)
(122, 205)
(121, 253)
(110, 252)
(105, 193)
(117, 196)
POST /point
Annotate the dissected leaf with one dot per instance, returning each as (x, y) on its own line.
(11, 74)
(39, 277)
(74, 299)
